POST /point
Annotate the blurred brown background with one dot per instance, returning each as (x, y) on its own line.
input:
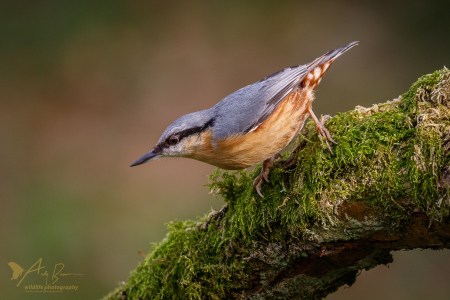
(87, 87)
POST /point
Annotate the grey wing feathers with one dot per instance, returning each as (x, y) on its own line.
(245, 109)
(276, 90)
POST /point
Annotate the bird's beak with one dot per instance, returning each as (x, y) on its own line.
(146, 157)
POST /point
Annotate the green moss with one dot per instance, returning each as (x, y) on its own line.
(389, 156)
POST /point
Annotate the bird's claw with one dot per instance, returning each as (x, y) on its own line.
(259, 180)
(257, 184)
(266, 178)
(264, 175)
(322, 131)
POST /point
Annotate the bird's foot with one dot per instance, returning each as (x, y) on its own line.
(263, 176)
(321, 130)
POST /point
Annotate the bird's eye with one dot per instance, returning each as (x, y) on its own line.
(173, 140)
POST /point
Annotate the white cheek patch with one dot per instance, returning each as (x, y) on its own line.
(184, 147)
(174, 150)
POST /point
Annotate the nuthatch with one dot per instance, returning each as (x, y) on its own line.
(252, 124)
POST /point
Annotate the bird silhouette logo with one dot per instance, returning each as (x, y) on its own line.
(17, 270)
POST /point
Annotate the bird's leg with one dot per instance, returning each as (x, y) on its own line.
(321, 130)
(264, 174)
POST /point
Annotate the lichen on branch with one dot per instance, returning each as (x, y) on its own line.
(388, 179)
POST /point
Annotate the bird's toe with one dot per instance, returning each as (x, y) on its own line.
(257, 184)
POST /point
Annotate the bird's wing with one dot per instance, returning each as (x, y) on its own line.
(244, 110)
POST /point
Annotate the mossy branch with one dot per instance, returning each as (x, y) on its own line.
(325, 217)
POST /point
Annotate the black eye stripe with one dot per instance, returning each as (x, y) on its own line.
(188, 132)
(157, 149)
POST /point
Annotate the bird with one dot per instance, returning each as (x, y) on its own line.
(251, 125)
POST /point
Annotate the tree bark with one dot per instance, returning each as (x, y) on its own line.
(325, 217)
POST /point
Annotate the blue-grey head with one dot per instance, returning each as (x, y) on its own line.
(181, 137)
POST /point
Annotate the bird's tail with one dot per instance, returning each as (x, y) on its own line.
(318, 67)
(330, 56)
(333, 54)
